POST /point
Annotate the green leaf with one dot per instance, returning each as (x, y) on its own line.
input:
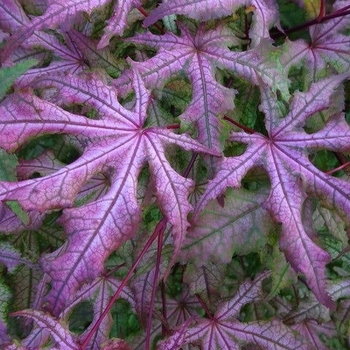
(8, 75)
(18, 210)
(238, 225)
(8, 163)
(5, 295)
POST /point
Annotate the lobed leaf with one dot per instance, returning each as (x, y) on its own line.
(292, 177)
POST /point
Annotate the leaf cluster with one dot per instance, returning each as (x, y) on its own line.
(174, 174)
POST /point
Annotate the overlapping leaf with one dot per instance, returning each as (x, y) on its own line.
(123, 162)
(265, 13)
(241, 226)
(118, 22)
(283, 153)
(328, 47)
(117, 142)
(60, 332)
(99, 293)
(57, 13)
(224, 331)
(199, 54)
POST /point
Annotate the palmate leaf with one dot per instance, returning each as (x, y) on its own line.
(199, 54)
(312, 331)
(328, 47)
(283, 153)
(66, 57)
(57, 13)
(78, 53)
(73, 55)
(223, 331)
(314, 321)
(47, 164)
(125, 169)
(117, 142)
(208, 281)
(27, 33)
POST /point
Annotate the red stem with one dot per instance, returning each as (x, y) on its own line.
(322, 10)
(341, 167)
(173, 126)
(144, 12)
(158, 230)
(190, 164)
(320, 19)
(241, 126)
(164, 309)
(154, 287)
(110, 272)
(204, 305)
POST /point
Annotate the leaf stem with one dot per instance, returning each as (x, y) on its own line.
(190, 164)
(204, 305)
(319, 19)
(157, 231)
(341, 167)
(144, 12)
(165, 329)
(322, 10)
(154, 287)
(173, 126)
(241, 126)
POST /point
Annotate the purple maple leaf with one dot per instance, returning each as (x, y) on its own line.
(57, 13)
(284, 155)
(224, 331)
(328, 47)
(117, 143)
(199, 54)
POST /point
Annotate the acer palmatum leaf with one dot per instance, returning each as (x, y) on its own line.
(208, 281)
(47, 164)
(12, 16)
(224, 331)
(176, 341)
(66, 58)
(314, 332)
(118, 141)
(123, 171)
(115, 344)
(312, 309)
(58, 12)
(199, 54)
(328, 47)
(283, 153)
